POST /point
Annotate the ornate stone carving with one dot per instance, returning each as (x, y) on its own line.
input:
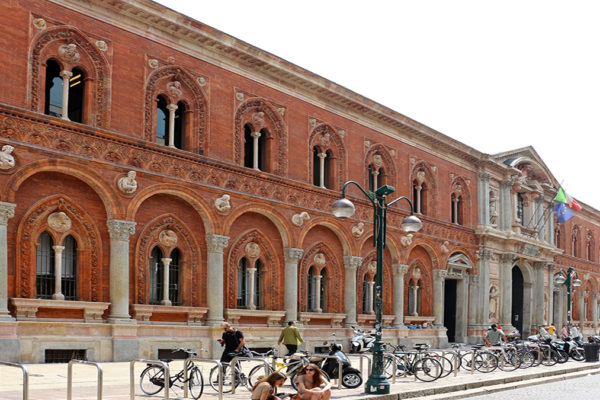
(201, 81)
(325, 139)
(377, 160)
(120, 230)
(216, 243)
(420, 177)
(400, 269)
(239, 96)
(258, 121)
(168, 238)
(174, 91)
(223, 204)
(312, 122)
(252, 250)
(358, 229)
(39, 23)
(320, 259)
(153, 63)
(406, 240)
(7, 161)
(367, 144)
(299, 219)
(281, 111)
(372, 267)
(128, 184)
(444, 248)
(416, 273)
(342, 133)
(292, 255)
(494, 297)
(101, 45)
(69, 53)
(352, 262)
(59, 222)
(7, 211)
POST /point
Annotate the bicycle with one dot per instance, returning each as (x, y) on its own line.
(152, 378)
(289, 368)
(423, 367)
(240, 377)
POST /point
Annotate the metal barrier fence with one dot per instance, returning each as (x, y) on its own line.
(25, 377)
(159, 363)
(234, 362)
(70, 377)
(339, 378)
(202, 360)
(363, 356)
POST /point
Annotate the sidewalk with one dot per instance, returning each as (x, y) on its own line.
(49, 382)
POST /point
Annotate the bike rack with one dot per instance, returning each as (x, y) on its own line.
(394, 367)
(361, 362)
(25, 377)
(339, 378)
(159, 363)
(234, 361)
(454, 365)
(202, 360)
(70, 377)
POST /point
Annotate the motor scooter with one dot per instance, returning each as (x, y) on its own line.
(361, 341)
(351, 377)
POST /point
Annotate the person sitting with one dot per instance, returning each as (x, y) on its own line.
(312, 384)
(493, 336)
(264, 389)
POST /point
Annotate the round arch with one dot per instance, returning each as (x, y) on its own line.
(272, 215)
(337, 228)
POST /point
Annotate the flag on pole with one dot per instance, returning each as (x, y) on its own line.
(563, 214)
(572, 203)
(561, 196)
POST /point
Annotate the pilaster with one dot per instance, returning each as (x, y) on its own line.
(119, 232)
(351, 264)
(7, 211)
(399, 271)
(290, 296)
(214, 274)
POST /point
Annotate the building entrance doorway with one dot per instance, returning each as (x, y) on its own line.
(450, 308)
(517, 299)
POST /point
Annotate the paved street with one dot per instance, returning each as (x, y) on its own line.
(49, 382)
(586, 388)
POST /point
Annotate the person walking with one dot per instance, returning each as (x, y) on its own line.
(234, 342)
(291, 338)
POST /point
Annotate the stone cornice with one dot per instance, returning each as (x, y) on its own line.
(178, 29)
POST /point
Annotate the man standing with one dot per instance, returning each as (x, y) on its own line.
(233, 340)
(290, 335)
(493, 336)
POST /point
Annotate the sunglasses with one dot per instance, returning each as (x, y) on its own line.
(309, 369)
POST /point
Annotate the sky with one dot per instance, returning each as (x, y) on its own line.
(496, 75)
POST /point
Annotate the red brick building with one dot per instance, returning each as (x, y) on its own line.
(182, 177)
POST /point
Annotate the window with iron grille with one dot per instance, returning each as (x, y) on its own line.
(69, 269)
(174, 294)
(53, 356)
(155, 274)
(244, 290)
(44, 279)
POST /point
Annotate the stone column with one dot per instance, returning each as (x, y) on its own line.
(251, 287)
(483, 308)
(539, 219)
(595, 311)
(166, 263)
(322, 169)
(172, 108)
(418, 205)
(214, 275)
(318, 293)
(7, 211)
(351, 264)
(455, 209)
(119, 232)
(415, 310)
(255, 136)
(462, 294)
(551, 294)
(506, 263)
(58, 272)
(506, 213)
(375, 175)
(438, 297)
(290, 285)
(581, 306)
(558, 309)
(538, 294)
(399, 271)
(66, 75)
(370, 297)
(483, 198)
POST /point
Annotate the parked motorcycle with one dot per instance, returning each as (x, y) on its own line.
(572, 347)
(594, 339)
(361, 341)
(351, 377)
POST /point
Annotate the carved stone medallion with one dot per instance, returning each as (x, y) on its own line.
(252, 250)
(320, 260)
(59, 222)
(168, 238)
(69, 53)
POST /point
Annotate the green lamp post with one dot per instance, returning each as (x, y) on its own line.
(570, 280)
(344, 208)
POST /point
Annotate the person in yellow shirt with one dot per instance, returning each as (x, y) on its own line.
(551, 329)
(291, 338)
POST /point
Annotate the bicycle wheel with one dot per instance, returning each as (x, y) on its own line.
(152, 380)
(213, 379)
(549, 357)
(509, 360)
(466, 361)
(527, 359)
(486, 362)
(196, 383)
(427, 369)
(257, 373)
(447, 366)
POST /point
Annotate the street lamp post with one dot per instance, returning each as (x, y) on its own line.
(344, 208)
(570, 280)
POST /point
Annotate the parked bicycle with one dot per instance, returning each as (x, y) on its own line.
(152, 378)
(416, 363)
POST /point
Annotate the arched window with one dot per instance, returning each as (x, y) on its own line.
(69, 269)
(174, 285)
(248, 146)
(456, 205)
(420, 197)
(311, 296)
(365, 294)
(414, 297)
(324, 291)
(575, 242)
(44, 280)
(243, 281)
(262, 150)
(156, 276)
(76, 95)
(249, 284)
(557, 237)
(316, 167)
(327, 169)
(259, 285)
(54, 90)
(372, 178)
(162, 121)
(179, 134)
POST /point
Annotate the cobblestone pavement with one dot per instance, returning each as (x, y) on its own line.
(49, 381)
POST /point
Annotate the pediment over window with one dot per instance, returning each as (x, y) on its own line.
(459, 260)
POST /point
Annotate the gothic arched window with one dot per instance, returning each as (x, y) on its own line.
(174, 285)
(162, 121)
(155, 275)
(54, 90)
(76, 95)
(44, 279)
(69, 268)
